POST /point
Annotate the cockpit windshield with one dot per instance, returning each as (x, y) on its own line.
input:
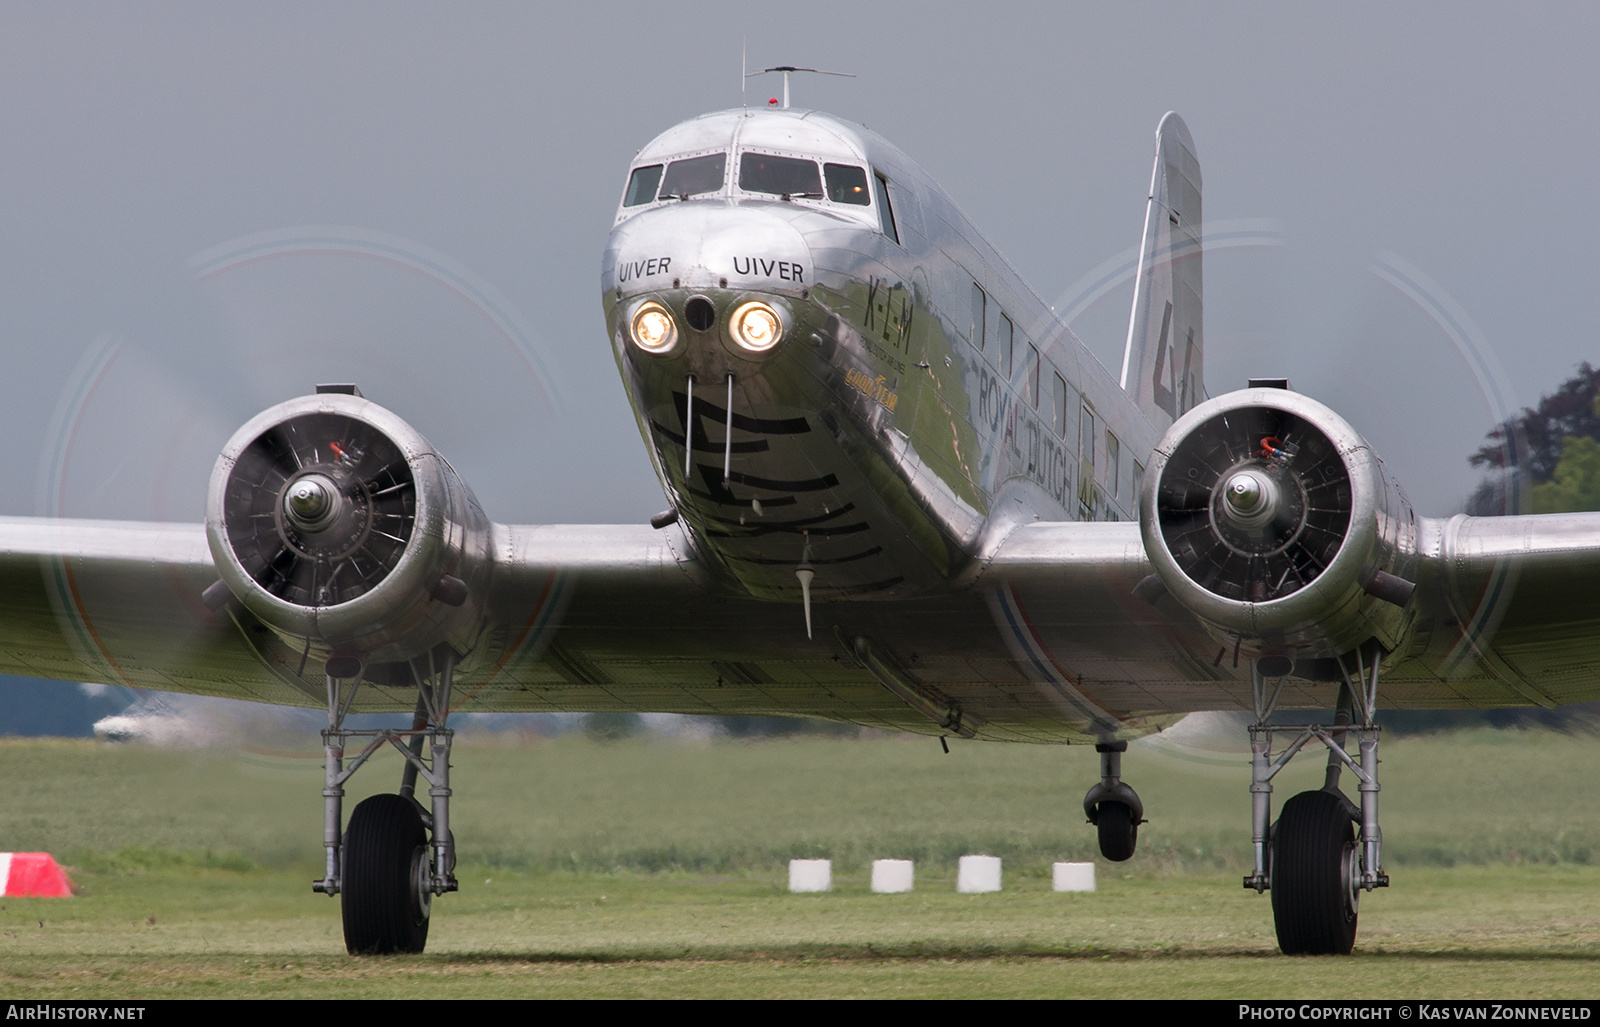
(694, 176)
(786, 176)
(642, 185)
(847, 184)
(792, 178)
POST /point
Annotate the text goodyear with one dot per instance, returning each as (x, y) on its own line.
(872, 388)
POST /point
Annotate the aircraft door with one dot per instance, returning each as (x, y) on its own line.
(941, 422)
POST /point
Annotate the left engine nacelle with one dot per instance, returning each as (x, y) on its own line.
(337, 525)
(1274, 522)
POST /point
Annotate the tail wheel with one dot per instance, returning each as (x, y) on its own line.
(1315, 876)
(385, 896)
(1119, 834)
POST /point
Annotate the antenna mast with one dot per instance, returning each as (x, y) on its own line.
(788, 69)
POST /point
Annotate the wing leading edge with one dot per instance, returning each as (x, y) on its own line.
(1043, 640)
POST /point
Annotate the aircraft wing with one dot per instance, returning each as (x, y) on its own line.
(1042, 638)
(622, 617)
(1045, 639)
(119, 603)
(1514, 610)
(124, 603)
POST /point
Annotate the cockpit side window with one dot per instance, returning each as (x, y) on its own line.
(642, 185)
(847, 184)
(786, 176)
(885, 212)
(694, 176)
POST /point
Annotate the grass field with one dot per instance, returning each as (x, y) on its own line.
(653, 868)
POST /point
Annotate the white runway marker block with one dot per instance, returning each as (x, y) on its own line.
(892, 875)
(978, 874)
(811, 875)
(1072, 876)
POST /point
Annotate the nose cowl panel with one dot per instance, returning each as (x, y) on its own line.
(706, 245)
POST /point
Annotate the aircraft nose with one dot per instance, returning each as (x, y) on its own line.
(699, 245)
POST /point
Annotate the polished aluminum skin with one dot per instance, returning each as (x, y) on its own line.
(1162, 363)
(964, 507)
(909, 404)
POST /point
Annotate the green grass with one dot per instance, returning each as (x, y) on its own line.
(733, 807)
(655, 868)
(1531, 932)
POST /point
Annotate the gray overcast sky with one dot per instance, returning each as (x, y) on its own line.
(490, 141)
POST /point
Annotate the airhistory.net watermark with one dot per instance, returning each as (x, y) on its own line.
(71, 1011)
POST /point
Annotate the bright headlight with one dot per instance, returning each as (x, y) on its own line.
(757, 327)
(653, 329)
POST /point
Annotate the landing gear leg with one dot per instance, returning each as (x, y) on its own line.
(384, 866)
(1323, 851)
(1112, 807)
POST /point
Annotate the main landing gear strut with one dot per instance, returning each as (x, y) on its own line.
(1324, 851)
(396, 854)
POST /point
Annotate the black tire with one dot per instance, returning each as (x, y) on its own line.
(1119, 835)
(384, 909)
(1315, 858)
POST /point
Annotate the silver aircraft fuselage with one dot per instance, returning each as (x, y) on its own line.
(846, 392)
(919, 392)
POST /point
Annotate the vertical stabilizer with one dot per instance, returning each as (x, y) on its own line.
(1162, 365)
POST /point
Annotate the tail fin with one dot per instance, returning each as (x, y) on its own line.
(1162, 367)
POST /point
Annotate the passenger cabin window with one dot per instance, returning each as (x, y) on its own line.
(642, 185)
(1087, 498)
(1086, 441)
(1138, 483)
(980, 304)
(1008, 340)
(783, 176)
(694, 176)
(1113, 464)
(847, 184)
(885, 212)
(1058, 406)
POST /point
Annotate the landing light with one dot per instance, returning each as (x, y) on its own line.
(653, 329)
(757, 327)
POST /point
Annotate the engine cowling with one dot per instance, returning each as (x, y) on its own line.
(1272, 520)
(339, 527)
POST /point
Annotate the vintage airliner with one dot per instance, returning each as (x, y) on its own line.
(902, 494)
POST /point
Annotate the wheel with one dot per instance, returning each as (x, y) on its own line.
(385, 896)
(1315, 876)
(1119, 835)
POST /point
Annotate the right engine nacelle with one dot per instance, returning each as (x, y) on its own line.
(1273, 521)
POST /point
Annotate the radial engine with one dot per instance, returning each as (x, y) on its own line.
(1273, 521)
(338, 526)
